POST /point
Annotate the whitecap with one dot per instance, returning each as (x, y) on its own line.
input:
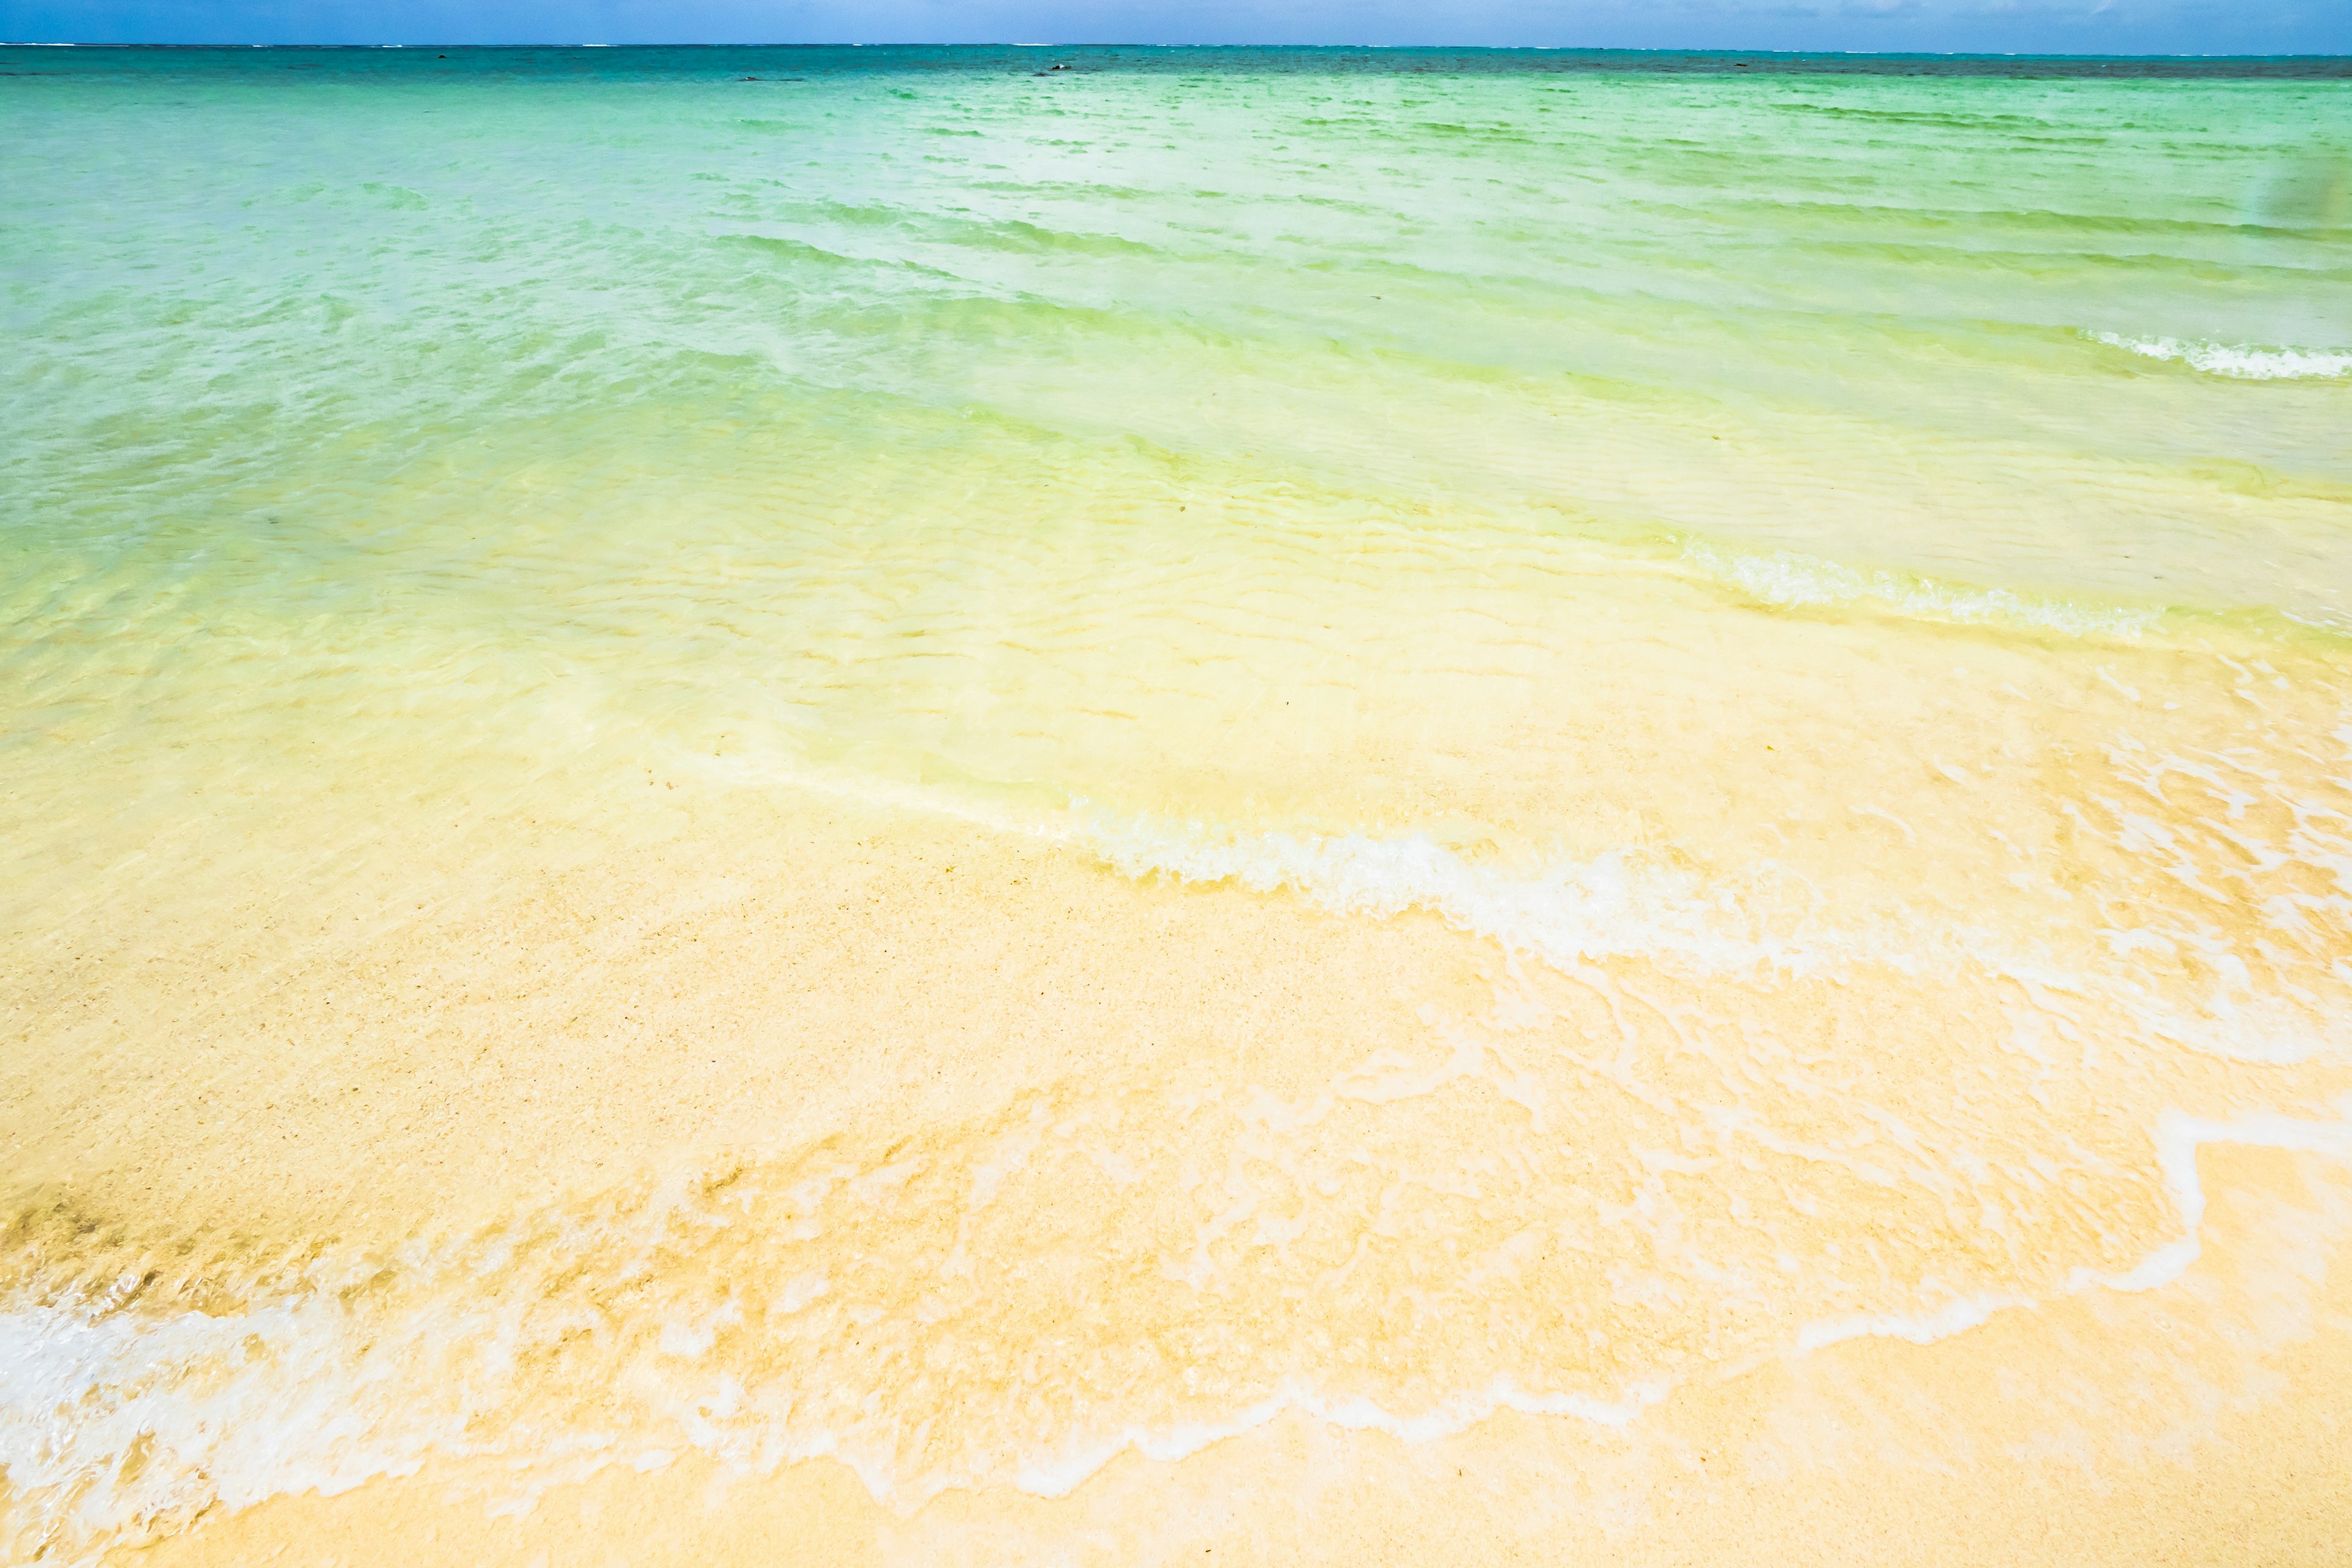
(2244, 361)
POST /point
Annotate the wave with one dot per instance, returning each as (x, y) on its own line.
(116, 1421)
(1613, 905)
(2242, 361)
(1063, 1474)
(1760, 921)
(1785, 577)
(114, 1425)
(1763, 921)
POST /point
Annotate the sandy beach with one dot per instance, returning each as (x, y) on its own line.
(1283, 810)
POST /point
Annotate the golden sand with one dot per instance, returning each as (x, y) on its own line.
(2197, 1423)
(989, 1153)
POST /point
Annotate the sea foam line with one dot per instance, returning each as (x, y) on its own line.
(238, 1441)
(2179, 1137)
(1767, 922)
(1612, 905)
(1762, 919)
(2242, 361)
(1786, 577)
(1060, 1475)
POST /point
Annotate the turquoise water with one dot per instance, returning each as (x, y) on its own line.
(1548, 288)
(464, 347)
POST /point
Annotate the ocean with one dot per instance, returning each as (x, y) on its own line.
(1115, 804)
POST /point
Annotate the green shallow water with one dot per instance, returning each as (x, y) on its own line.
(1538, 289)
(479, 339)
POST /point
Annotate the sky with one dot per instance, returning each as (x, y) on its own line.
(2067, 26)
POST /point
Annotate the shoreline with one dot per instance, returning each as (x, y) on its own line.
(2225, 1461)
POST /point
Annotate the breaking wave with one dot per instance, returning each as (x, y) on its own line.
(2244, 361)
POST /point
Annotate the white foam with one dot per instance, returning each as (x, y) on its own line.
(1754, 919)
(2242, 361)
(1061, 1475)
(111, 1423)
(1957, 1317)
(1785, 577)
(298, 1394)
(1614, 904)
(2179, 1136)
(1760, 918)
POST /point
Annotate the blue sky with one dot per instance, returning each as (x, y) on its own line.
(2098, 27)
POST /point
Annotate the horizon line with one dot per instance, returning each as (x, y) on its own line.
(1104, 44)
